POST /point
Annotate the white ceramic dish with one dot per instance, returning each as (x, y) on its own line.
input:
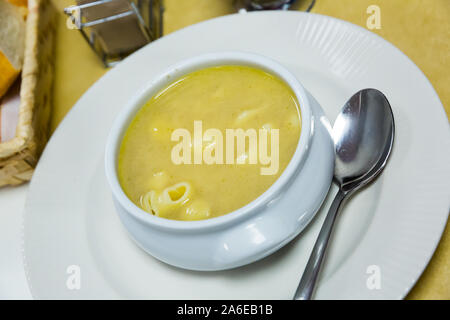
(395, 224)
(255, 230)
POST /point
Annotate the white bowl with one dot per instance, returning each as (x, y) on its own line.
(255, 230)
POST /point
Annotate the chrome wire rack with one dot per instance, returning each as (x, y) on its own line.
(116, 28)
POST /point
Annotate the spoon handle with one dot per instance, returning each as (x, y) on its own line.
(308, 282)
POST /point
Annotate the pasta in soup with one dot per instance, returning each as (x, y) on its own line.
(209, 143)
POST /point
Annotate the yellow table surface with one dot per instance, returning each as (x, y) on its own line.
(420, 28)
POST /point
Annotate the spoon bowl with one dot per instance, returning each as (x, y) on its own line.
(363, 135)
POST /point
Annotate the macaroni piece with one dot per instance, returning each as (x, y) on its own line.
(198, 210)
(163, 204)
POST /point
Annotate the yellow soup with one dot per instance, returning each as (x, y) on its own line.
(183, 157)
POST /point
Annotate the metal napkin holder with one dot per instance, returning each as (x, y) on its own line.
(116, 28)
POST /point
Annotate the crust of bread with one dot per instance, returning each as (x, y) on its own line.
(19, 3)
(7, 74)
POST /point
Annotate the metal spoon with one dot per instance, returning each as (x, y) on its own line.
(363, 135)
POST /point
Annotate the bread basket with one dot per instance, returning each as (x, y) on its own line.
(19, 156)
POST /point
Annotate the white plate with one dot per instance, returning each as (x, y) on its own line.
(394, 225)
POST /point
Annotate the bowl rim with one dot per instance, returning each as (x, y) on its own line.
(171, 74)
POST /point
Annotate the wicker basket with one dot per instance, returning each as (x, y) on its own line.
(19, 156)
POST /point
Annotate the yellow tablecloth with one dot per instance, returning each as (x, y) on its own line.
(420, 28)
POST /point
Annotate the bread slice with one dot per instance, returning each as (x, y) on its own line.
(12, 43)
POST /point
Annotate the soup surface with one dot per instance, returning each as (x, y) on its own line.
(221, 98)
